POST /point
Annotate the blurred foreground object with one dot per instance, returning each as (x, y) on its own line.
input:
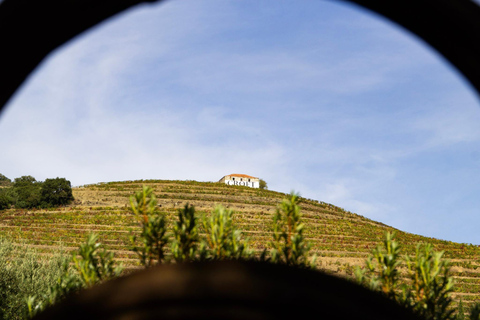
(227, 290)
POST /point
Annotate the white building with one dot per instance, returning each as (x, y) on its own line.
(241, 180)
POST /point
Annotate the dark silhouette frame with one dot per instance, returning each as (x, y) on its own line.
(31, 29)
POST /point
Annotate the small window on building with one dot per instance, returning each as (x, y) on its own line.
(241, 179)
(233, 178)
(248, 180)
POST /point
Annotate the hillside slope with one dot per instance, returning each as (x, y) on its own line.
(340, 239)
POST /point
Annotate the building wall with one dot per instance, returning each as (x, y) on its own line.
(241, 181)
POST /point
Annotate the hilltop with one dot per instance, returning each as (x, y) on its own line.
(340, 239)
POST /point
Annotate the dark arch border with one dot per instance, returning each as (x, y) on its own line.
(31, 29)
(452, 27)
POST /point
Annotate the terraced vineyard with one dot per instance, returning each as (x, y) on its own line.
(340, 239)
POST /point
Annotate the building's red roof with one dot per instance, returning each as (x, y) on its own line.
(241, 176)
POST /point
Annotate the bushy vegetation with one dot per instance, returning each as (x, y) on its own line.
(89, 265)
(26, 192)
(7, 198)
(4, 181)
(186, 237)
(56, 192)
(223, 239)
(263, 184)
(422, 283)
(153, 236)
(22, 273)
(289, 244)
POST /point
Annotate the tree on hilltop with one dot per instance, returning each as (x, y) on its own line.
(263, 184)
(27, 192)
(7, 198)
(4, 181)
(56, 192)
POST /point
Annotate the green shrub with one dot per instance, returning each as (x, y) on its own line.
(382, 266)
(94, 263)
(223, 239)
(23, 273)
(67, 282)
(428, 291)
(432, 285)
(186, 237)
(153, 236)
(289, 245)
(88, 266)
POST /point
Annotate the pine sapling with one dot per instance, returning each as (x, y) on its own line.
(153, 235)
(289, 245)
(223, 240)
(186, 237)
(432, 284)
(428, 291)
(94, 263)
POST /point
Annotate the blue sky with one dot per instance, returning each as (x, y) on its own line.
(315, 96)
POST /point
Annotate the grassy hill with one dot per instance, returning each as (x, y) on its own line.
(340, 239)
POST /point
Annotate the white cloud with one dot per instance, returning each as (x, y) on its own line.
(453, 123)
